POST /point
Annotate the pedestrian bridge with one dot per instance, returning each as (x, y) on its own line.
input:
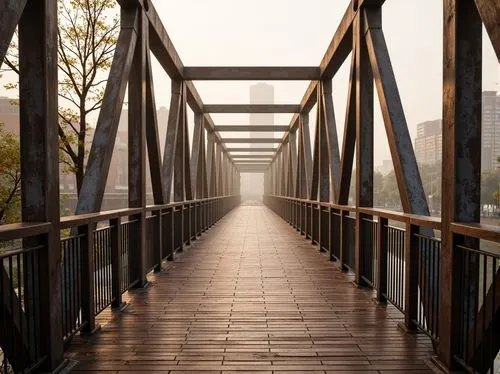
(199, 282)
(252, 294)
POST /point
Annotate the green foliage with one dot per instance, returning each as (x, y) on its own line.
(87, 37)
(10, 177)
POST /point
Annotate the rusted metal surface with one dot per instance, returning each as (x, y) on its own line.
(236, 157)
(137, 143)
(251, 150)
(292, 163)
(251, 108)
(364, 142)
(489, 11)
(39, 152)
(250, 128)
(331, 139)
(405, 164)
(101, 151)
(251, 140)
(153, 139)
(179, 159)
(266, 73)
(174, 117)
(461, 160)
(289, 168)
(161, 45)
(348, 144)
(197, 152)
(10, 13)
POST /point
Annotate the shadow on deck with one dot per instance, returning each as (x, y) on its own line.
(252, 295)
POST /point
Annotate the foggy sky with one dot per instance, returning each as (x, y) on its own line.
(297, 33)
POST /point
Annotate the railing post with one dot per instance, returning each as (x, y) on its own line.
(205, 215)
(382, 260)
(159, 245)
(116, 263)
(330, 230)
(343, 241)
(170, 225)
(137, 251)
(87, 290)
(411, 279)
(187, 211)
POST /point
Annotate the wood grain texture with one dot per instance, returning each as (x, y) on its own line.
(252, 295)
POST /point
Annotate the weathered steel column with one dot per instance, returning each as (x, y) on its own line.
(461, 159)
(40, 161)
(137, 143)
(364, 139)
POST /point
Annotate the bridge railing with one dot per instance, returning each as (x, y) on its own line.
(22, 295)
(398, 255)
(99, 264)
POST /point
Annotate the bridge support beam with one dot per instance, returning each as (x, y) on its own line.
(462, 78)
(40, 162)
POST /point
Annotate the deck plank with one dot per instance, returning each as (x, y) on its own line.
(251, 295)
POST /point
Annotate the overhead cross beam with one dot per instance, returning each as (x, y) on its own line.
(236, 157)
(251, 150)
(251, 140)
(290, 73)
(251, 128)
(251, 108)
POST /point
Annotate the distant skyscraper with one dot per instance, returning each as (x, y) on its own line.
(261, 93)
(429, 142)
(490, 138)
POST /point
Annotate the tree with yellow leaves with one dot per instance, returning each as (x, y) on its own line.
(87, 36)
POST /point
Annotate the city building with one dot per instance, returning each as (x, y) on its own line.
(385, 168)
(261, 93)
(429, 142)
(9, 114)
(490, 136)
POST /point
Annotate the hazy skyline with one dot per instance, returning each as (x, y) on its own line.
(289, 33)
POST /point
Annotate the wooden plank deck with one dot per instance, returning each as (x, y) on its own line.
(252, 295)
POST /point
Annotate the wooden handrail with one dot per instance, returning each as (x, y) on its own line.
(84, 219)
(23, 230)
(477, 230)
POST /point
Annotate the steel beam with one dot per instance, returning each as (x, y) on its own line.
(405, 163)
(235, 158)
(161, 45)
(39, 152)
(196, 153)
(331, 138)
(250, 140)
(462, 78)
(250, 128)
(290, 73)
(490, 14)
(10, 13)
(101, 151)
(152, 138)
(171, 137)
(364, 141)
(349, 142)
(196, 104)
(251, 150)
(251, 108)
(137, 144)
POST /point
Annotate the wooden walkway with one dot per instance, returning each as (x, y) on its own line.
(252, 295)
